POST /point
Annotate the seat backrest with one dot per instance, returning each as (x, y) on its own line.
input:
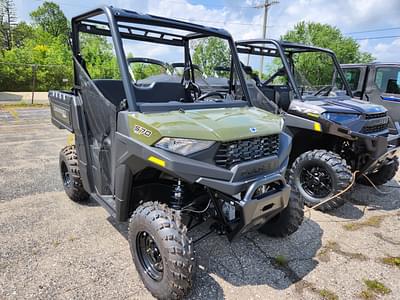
(160, 92)
(269, 92)
(114, 91)
(283, 96)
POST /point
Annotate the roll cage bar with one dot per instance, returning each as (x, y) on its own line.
(112, 28)
(284, 50)
(151, 61)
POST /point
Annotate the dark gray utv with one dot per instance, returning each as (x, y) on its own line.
(333, 134)
(166, 157)
(377, 83)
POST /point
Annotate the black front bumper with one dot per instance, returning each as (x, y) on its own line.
(379, 148)
(253, 211)
(231, 185)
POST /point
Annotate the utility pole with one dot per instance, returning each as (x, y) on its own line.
(266, 5)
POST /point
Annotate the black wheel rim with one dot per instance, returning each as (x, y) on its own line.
(66, 177)
(149, 256)
(316, 181)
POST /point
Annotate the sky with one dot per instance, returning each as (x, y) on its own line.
(365, 20)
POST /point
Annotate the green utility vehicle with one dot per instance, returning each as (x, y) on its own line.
(166, 157)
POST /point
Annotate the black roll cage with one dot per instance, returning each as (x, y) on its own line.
(284, 50)
(111, 28)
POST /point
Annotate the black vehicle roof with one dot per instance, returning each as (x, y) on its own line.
(287, 46)
(129, 16)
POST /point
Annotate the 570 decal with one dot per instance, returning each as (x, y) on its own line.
(142, 131)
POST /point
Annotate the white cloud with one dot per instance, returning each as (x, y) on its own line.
(387, 52)
(347, 15)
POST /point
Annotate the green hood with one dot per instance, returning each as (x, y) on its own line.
(221, 124)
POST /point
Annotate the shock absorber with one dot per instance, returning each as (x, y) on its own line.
(177, 195)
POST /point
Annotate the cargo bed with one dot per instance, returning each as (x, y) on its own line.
(60, 107)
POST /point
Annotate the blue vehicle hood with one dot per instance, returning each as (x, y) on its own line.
(337, 105)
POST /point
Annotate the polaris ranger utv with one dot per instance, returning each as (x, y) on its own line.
(377, 83)
(166, 157)
(333, 134)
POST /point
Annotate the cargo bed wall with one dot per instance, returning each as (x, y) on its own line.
(60, 107)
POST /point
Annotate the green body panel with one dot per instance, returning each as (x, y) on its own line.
(221, 124)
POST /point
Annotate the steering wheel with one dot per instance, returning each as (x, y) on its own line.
(327, 88)
(209, 94)
(193, 91)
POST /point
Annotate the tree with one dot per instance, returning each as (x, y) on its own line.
(21, 33)
(8, 18)
(50, 18)
(210, 53)
(100, 59)
(316, 67)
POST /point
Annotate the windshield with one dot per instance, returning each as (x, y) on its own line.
(149, 52)
(387, 80)
(145, 68)
(309, 73)
(313, 73)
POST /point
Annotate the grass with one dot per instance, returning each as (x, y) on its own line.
(374, 221)
(72, 238)
(391, 261)
(377, 287)
(367, 294)
(328, 295)
(332, 246)
(281, 260)
(10, 106)
(56, 243)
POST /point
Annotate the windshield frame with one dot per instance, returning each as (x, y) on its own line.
(284, 50)
(116, 28)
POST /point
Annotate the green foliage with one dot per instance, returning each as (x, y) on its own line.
(100, 59)
(318, 68)
(46, 56)
(142, 71)
(210, 53)
(50, 18)
(41, 51)
(22, 32)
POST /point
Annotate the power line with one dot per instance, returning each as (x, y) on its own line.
(378, 37)
(374, 30)
(216, 5)
(183, 19)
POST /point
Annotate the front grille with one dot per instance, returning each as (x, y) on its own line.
(376, 123)
(236, 152)
(375, 128)
(376, 116)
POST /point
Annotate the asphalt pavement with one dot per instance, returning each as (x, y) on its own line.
(53, 248)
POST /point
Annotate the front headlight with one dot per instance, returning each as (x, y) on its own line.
(282, 122)
(183, 146)
(340, 118)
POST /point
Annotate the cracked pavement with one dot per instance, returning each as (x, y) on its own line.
(52, 248)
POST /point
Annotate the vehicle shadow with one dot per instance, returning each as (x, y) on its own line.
(254, 259)
(366, 197)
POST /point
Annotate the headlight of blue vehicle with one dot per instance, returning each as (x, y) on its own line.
(340, 118)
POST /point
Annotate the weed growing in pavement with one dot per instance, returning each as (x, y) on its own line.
(392, 261)
(374, 287)
(374, 221)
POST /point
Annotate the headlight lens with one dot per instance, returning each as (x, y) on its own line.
(282, 122)
(183, 146)
(340, 118)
